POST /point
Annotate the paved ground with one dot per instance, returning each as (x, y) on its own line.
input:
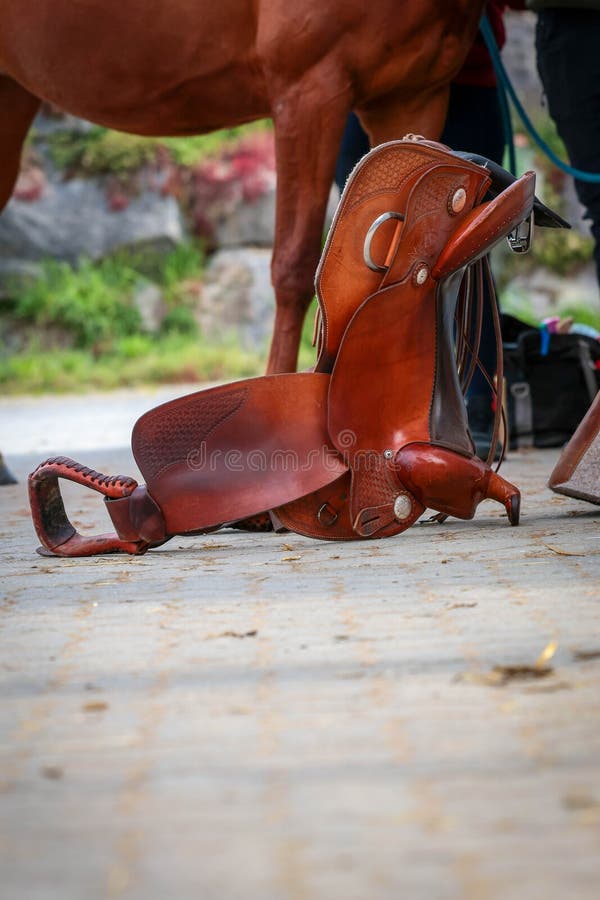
(271, 718)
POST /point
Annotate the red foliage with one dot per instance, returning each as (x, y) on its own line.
(242, 174)
(30, 185)
(117, 199)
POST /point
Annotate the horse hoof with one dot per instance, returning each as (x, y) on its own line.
(6, 476)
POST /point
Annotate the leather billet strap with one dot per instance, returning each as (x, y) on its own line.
(137, 518)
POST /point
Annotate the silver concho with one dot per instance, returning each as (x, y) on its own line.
(421, 274)
(402, 507)
(456, 203)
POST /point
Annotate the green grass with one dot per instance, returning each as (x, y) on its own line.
(136, 360)
(582, 314)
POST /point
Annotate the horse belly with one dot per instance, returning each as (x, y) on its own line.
(146, 66)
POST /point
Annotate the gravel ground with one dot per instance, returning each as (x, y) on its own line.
(272, 718)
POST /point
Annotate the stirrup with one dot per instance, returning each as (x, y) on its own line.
(58, 536)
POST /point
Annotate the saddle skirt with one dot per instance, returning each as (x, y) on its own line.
(377, 432)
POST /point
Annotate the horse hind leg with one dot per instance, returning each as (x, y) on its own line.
(394, 116)
(17, 110)
(308, 131)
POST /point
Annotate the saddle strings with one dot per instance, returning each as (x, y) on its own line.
(473, 307)
(472, 295)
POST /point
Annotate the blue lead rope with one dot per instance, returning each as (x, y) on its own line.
(506, 90)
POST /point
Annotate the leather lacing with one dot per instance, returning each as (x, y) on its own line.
(104, 481)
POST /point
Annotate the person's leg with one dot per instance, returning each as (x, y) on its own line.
(355, 144)
(474, 123)
(568, 57)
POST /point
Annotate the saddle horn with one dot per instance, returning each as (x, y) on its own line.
(502, 179)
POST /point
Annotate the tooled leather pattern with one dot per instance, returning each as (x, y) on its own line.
(429, 221)
(112, 486)
(373, 484)
(386, 172)
(178, 430)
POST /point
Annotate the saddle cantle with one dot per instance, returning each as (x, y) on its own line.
(377, 433)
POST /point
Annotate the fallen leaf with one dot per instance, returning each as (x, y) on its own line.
(579, 801)
(233, 634)
(54, 773)
(585, 655)
(461, 605)
(551, 688)
(546, 654)
(561, 552)
(502, 674)
(95, 706)
(290, 558)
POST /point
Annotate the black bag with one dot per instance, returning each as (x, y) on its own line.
(551, 380)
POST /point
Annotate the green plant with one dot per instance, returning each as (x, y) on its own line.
(101, 151)
(92, 302)
(561, 251)
(179, 320)
(184, 263)
(192, 150)
(582, 314)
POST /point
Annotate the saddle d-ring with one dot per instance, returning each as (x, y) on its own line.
(371, 234)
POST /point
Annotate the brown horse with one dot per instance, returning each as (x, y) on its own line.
(183, 67)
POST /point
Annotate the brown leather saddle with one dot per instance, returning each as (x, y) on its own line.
(377, 433)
